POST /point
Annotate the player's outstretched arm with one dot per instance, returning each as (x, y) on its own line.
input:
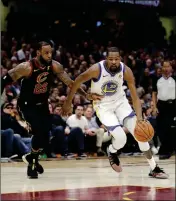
(129, 77)
(65, 78)
(92, 72)
(21, 70)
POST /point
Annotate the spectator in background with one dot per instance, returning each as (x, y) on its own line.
(94, 130)
(57, 134)
(62, 99)
(14, 58)
(66, 138)
(76, 100)
(150, 66)
(12, 144)
(77, 120)
(7, 139)
(11, 119)
(58, 109)
(146, 80)
(22, 53)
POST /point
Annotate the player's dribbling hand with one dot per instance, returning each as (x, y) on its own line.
(142, 120)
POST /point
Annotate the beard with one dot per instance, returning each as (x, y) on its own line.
(114, 69)
(44, 62)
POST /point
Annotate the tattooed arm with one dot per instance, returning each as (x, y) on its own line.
(64, 77)
(21, 70)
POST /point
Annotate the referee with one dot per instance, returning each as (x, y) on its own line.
(164, 99)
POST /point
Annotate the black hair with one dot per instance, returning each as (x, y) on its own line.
(41, 44)
(79, 105)
(112, 49)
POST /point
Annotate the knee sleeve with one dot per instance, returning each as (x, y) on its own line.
(118, 138)
(130, 124)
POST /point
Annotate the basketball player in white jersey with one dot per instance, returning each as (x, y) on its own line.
(113, 109)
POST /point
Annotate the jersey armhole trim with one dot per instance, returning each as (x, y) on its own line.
(123, 67)
(94, 79)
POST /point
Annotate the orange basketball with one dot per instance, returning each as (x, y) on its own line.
(144, 131)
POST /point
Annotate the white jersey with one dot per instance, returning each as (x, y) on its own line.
(111, 86)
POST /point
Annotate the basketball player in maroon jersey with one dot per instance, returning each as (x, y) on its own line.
(36, 78)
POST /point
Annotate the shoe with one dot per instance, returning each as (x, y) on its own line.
(8, 159)
(32, 171)
(114, 161)
(81, 156)
(28, 159)
(158, 173)
(165, 156)
(68, 156)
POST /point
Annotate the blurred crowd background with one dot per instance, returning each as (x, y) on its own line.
(80, 31)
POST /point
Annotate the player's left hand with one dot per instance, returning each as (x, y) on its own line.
(142, 120)
(94, 96)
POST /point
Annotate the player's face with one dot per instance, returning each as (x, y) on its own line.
(46, 54)
(113, 61)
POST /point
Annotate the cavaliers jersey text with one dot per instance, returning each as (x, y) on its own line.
(108, 85)
(35, 88)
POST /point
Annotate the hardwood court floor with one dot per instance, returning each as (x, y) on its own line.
(89, 179)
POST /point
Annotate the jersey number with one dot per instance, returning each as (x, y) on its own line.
(40, 88)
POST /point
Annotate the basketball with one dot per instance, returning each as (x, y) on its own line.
(144, 131)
